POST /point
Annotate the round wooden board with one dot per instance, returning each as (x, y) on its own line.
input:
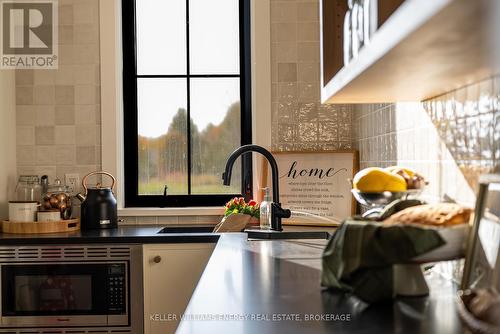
(69, 225)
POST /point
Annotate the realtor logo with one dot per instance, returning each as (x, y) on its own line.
(28, 34)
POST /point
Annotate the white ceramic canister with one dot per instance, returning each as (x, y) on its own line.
(49, 216)
(20, 211)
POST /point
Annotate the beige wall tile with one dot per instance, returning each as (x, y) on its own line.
(25, 135)
(308, 72)
(24, 95)
(287, 91)
(44, 77)
(65, 135)
(66, 34)
(67, 54)
(307, 31)
(85, 155)
(187, 220)
(44, 135)
(65, 95)
(127, 221)
(61, 170)
(65, 115)
(168, 220)
(25, 155)
(24, 77)
(45, 155)
(86, 74)
(25, 115)
(85, 94)
(86, 114)
(86, 54)
(86, 34)
(283, 32)
(283, 11)
(308, 92)
(284, 52)
(65, 75)
(45, 115)
(44, 95)
(85, 11)
(86, 135)
(308, 52)
(147, 220)
(209, 219)
(287, 72)
(65, 155)
(65, 13)
(308, 11)
(46, 110)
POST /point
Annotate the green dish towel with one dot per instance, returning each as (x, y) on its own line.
(359, 256)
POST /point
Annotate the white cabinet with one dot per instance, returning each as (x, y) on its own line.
(171, 273)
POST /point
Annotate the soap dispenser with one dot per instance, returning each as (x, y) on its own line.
(265, 211)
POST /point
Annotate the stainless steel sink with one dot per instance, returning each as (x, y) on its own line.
(187, 229)
(275, 235)
(252, 233)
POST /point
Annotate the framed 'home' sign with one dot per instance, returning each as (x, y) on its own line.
(316, 184)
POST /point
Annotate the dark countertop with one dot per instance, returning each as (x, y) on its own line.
(125, 234)
(272, 278)
(277, 278)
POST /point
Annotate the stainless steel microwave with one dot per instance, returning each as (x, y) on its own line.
(74, 286)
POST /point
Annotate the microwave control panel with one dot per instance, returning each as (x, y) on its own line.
(116, 288)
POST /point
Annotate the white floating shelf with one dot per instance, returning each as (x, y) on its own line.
(426, 48)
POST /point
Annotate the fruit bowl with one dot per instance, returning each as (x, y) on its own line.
(380, 199)
(376, 201)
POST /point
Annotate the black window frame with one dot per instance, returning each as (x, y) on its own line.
(130, 140)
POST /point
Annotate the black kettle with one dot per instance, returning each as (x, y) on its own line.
(99, 208)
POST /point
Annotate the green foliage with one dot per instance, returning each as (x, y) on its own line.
(238, 205)
(163, 160)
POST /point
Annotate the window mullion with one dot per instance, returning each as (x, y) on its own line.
(188, 104)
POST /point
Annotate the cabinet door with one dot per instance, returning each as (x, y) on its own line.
(171, 273)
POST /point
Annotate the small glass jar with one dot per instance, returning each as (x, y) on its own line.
(58, 197)
(28, 189)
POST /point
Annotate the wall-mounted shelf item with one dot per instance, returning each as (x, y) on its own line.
(424, 49)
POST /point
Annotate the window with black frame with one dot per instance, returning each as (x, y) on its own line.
(186, 71)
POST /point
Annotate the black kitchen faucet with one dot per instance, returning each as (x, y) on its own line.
(277, 212)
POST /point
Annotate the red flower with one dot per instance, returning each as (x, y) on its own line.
(252, 203)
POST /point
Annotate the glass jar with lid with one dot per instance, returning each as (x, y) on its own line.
(58, 197)
(28, 188)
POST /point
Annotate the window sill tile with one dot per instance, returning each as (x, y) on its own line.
(159, 212)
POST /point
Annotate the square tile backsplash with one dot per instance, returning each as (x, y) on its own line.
(58, 111)
(301, 121)
(450, 139)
